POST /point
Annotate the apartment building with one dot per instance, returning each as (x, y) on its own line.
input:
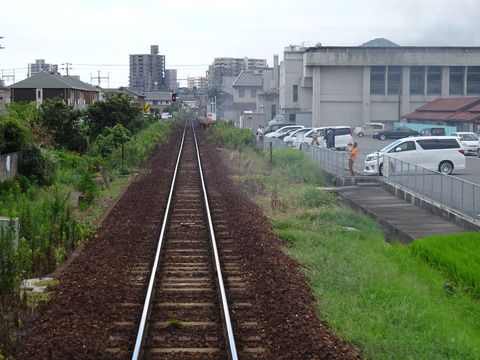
(147, 71)
(227, 67)
(354, 85)
(40, 66)
(198, 82)
(171, 82)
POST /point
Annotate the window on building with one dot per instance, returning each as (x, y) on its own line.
(295, 93)
(417, 80)
(241, 93)
(254, 93)
(434, 80)
(377, 80)
(394, 80)
(292, 118)
(473, 80)
(456, 80)
(274, 110)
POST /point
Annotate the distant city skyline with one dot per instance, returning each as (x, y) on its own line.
(193, 34)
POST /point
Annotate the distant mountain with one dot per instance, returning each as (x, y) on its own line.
(380, 42)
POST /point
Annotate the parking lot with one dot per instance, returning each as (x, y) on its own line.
(367, 145)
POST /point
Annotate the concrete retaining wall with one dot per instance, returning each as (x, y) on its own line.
(8, 166)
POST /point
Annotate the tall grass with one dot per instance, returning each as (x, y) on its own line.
(456, 255)
(224, 134)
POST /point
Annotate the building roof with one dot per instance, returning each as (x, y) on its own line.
(450, 109)
(248, 78)
(158, 95)
(124, 90)
(46, 80)
(450, 104)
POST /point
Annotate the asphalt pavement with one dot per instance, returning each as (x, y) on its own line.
(367, 145)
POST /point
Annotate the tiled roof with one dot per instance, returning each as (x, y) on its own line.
(45, 80)
(453, 109)
(248, 78)
(450, 104)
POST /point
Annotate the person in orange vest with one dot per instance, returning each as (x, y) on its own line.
(352, 156)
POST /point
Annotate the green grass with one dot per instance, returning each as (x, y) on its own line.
(376, 295)
(383, 298)
(457, 256)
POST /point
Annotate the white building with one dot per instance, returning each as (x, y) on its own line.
(354, 85)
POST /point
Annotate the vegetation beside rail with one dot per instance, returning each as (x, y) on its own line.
(70, 164)
(383, 298)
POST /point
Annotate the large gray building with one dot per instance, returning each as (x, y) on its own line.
(228, 67)
(40, 66)
(147, 71)
(354, 85)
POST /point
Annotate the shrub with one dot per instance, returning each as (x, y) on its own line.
(36, 165)
(13, 135)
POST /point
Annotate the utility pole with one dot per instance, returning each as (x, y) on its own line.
(67, 67)
(99, 78)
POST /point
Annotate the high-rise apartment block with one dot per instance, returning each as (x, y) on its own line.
(222, 67)
(40, 66)
(147, 71)
(198, 82)
(171, 79)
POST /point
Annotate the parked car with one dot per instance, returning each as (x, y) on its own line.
(282, 130)
(432, 132)
(274, 127)
(438, 153)
(286, 133)
(469, 140)
(343, 136)
(369, 129)
(291, 138)
(397, 133)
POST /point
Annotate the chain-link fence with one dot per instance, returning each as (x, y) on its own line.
(449, 191)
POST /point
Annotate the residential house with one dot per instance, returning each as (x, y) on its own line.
(44, 85)
(136, 98)
(158, 100)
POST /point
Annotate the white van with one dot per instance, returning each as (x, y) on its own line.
(343, 136)
(437, 153)
(469, 140)
(369, 129)
(283, 130)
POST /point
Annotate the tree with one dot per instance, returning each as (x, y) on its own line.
(13, 135)
(64, 124)
(116, 109)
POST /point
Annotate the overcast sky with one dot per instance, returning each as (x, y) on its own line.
(99, 35)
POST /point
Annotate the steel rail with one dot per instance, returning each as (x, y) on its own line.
(146, 307)
(226, 314)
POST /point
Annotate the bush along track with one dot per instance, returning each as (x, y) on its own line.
(64, 178)
(390, 301)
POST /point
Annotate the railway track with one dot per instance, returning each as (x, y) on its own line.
(198, 303)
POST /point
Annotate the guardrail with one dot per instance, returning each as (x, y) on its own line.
(450, 192)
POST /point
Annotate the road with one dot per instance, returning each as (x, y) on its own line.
(367, 145)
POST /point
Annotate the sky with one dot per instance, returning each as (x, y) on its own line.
(99, 35)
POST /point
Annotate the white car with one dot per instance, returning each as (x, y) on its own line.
(343, 136)
(291, 139)
(437, 153)
(469, 140)
(283, 130)
(368, 129)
